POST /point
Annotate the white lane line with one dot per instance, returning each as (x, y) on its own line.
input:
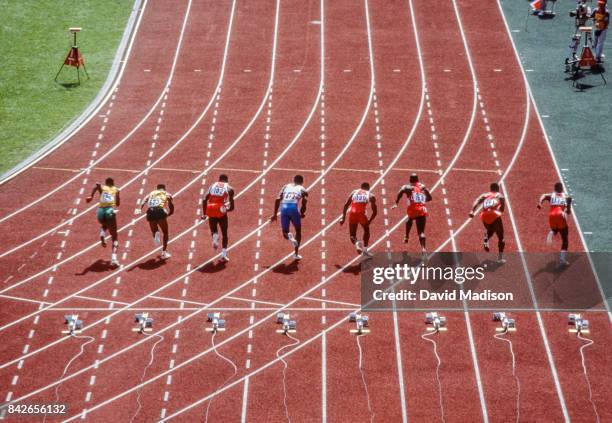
(393, 162)
(550, 150)
(167, 152)
(124, 139)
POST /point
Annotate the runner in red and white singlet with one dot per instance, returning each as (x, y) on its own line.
(218, 202)
(356, 205)
(560, 207)
(493, 206)
(416, 209)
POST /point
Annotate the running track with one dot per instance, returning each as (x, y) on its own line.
(344, 92)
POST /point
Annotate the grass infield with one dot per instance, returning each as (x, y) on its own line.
(34, 41)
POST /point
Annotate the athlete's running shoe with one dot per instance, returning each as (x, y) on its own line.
(114, 260)
(405, 240)
(103, 238)
(157, 238)
(549, 237)
(485, 244)
(292, 240)
(224, 255)
(215, 240)
(359, 247)
(297, 257)
(500, 258)
(366, 253)
(165, 255)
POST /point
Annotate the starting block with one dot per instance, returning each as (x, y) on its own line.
(438, 322)
(361, 322)
(507, 324)
(75, 325)
(218, 324)
(145, 323)
(579, 324)
(288, 325)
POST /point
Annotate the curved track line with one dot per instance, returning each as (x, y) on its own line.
(170, 149)
(245, 190)
(402, 150)
(405, 145)
(550, 150)
(121, 60)
(125, 138)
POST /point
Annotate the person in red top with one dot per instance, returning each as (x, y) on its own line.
(218, 201)
(358, 202)
(493, 206)
(560, 207)
(417, 195)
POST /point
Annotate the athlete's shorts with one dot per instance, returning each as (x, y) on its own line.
(489, 216)
(217, 210)
(557, 222)
(156, 213)
(357, 219)
(289, 213)
(416, 212)
(106, 214)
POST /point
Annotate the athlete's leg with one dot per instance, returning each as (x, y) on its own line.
(153, 227)
(212, 224)
(408, 228)
(489, 231)
(366, 234)
(163, 225)
(112, 228)
(224, 223)
(298, 238)
(353, 232)
(285, 218)
(499, 231)
(420, 224)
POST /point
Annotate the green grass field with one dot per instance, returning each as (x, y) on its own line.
(34, 40)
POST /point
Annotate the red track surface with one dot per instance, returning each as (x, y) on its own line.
(275, 113)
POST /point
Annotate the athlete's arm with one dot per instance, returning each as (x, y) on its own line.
(345, 208)
(428, 196)
(543, 197)
(170, 206)
(502, 203)
(204, 205)
(144, 201)
(477, 203)
(401, 192)
(568, 209)
(118, 200)
(374, 209)
(96, 188)
(230, 195)
(277, 204)
(304, 202)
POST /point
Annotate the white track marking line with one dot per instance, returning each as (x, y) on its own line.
(163, 155)
(483, 404)
(520, 249)
(204, 173)
(403, 148)
(124, 139)
(122, 64)
(550, 150)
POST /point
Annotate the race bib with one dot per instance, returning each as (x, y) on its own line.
(418, 197)
(557, 201)
(490, 203)
(154, 202)
(217, 191)
(107, 197)
(360, 198)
